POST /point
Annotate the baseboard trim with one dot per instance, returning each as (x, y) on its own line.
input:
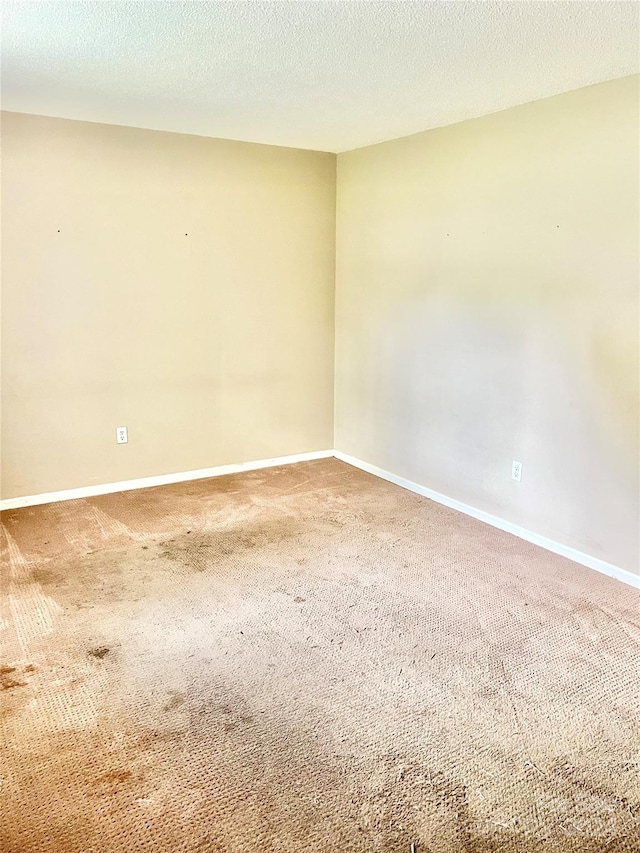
(219, 471)
(542, 541)
(159, 480)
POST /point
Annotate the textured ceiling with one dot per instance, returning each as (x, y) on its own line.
(324, 75)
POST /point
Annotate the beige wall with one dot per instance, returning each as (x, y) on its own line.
(487, 310)
(177, 285)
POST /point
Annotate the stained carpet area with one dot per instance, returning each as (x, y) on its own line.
(307, 658)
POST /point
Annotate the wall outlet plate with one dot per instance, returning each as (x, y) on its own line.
(121, 435)
(516, 471)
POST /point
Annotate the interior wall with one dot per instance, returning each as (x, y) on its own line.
(487, 308)
(487, 311)
(177, 285)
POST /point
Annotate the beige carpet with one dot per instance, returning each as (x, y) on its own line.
(309, 659)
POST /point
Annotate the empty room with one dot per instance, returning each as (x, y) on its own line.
(320, 435)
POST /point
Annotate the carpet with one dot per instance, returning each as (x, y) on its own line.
(307, 658)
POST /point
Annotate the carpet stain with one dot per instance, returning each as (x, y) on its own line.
(10, 683)
(593, 789)
(11, 676)
(100, 652)
(175, 700)
(114, 776)
(204, 551)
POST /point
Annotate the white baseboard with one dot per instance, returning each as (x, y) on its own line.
(160, 480)
(556, 547)
(202, 473)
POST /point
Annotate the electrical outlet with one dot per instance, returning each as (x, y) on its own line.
(516, 471)
(121, 435)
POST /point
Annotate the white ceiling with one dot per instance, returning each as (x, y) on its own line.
(325, 75)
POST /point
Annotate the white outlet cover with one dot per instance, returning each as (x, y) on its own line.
(121, 435)
(516, 471)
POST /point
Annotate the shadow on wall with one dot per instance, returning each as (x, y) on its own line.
(467, 388)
